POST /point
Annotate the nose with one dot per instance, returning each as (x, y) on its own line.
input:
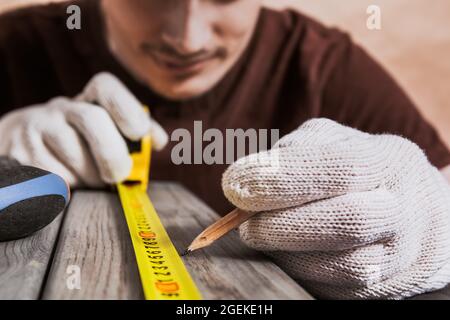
(188, 31)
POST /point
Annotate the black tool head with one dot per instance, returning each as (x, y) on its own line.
(25, 207)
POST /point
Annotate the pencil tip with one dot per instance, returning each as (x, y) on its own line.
(186, 252)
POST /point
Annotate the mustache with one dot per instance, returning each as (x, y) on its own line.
(204, 54)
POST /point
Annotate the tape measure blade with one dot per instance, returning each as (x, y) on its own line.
(163, 274)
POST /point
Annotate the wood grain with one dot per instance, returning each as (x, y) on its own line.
(95, 238)
(24, 263)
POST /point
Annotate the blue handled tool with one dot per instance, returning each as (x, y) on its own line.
(30, 198)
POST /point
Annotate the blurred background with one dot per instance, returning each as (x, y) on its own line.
(413, 44)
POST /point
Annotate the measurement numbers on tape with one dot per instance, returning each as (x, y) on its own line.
(163, 274)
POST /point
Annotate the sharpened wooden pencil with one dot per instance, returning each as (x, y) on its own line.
(219, 228)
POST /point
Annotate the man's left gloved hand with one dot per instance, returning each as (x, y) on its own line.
(348, 214)
(82, 139)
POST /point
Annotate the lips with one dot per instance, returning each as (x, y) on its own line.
(181, 66)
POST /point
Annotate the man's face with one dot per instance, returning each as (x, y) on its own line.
(180, 48)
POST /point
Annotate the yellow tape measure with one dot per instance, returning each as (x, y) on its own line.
(163, 274)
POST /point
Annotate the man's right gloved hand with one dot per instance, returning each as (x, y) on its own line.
(81, 139)
(349, 214)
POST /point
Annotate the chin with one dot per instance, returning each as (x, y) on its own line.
(187, 89)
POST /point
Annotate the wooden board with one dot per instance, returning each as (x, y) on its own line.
(95, 239)
(24, 263)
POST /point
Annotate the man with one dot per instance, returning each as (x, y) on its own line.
(348, 210)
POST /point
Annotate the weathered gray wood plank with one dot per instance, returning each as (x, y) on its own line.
(95, 238)
(24, 263)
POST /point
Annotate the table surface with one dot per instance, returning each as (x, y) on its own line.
(92, 235)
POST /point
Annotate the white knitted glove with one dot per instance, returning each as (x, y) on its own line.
(348, 214)
(79, 138)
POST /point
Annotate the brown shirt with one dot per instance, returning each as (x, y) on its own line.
(294, 69)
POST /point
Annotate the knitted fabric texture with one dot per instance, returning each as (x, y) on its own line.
(348, 214)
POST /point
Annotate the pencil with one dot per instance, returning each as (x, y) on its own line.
(218, 229)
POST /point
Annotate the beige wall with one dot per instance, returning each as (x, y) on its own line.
(414, 44)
